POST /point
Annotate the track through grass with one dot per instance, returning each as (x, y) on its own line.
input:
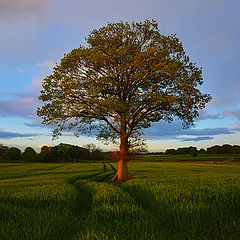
(74, 201)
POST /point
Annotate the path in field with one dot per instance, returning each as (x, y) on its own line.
(75, 201)
(114, 209)
(133, 208)
(84, 192)
(82, 204)
(48, 202)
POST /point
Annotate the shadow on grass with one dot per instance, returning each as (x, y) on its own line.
(174, 219)
(23, 219)
(113, 168)
(43, 219)
(33, 174)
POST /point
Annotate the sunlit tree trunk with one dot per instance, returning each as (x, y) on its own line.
(122, 174)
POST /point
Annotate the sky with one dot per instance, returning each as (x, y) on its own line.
(35, 34)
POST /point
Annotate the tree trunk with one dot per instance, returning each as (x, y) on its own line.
(122, 174)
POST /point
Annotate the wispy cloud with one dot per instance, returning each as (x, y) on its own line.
(21, 70)
(24, 107)
(10, 135)
(205, 115)
(15, 9)
(44, 144)
(47, 64)
(197, 139)
(235, 128)
(174, 130)
(232, 113)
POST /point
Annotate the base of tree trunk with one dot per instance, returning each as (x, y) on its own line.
(117, 179)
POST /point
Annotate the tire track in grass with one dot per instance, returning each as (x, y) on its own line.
(176, 221)
(104, 215)
(82, 203)
(146, 200)
(168, 219)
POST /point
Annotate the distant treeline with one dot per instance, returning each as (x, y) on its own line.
(224, 149)
(71, 153)
(60, 153)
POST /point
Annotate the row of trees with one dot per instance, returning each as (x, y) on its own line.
(224, 149)
(60, 153)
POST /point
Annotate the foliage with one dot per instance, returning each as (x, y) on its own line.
(128, 76)
(29, 155)
(11, 154)
(60, 153)
(224, 149)
(67, 152)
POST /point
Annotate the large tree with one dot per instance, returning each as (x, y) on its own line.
(124, 78)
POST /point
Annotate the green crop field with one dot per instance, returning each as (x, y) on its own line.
(229, 158)
(74, 201)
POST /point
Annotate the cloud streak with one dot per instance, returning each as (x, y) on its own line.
(205, 115)
(17, 9)
(174, 130)
(232, 113)
(197, 139)
(24, 107)
(10, 135)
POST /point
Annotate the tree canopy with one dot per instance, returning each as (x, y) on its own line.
(127, 76)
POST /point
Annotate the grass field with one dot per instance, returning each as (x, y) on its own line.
(73, 201)
(228, 158)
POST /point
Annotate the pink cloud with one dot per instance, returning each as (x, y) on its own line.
(20, 107)
(232, 113)
(44, 144)
(11, 10)
(235, 128)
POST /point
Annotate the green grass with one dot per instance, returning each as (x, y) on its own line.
(232, 158)
(74, 201)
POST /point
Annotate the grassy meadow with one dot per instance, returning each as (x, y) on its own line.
(74, 201)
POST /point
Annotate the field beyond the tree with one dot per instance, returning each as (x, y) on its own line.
(166, 201)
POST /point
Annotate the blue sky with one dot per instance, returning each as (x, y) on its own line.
(34, 35)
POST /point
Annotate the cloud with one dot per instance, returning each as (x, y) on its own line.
(22, 20)
(195, 139)
(24, 107)
(24, 103)
(9, 135)
(227, 100)
(16, 9)
(163, 130)
(36, 124)
(47, 64)
(218, 115)
(21, 70)
(232, 113)
(204, 115)
(207, 131)
(235, 128)
(37, 82)
(44, 144)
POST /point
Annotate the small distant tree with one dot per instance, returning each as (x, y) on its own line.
(29, 155)
(193, 151)
(170, 151)
(235, 149)
(3, 150)
(97, 154)
(128, 76)
(90, 147)
(226, 149)
(45, 154)
(202, 151)
(214, 150)
(12, 154)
